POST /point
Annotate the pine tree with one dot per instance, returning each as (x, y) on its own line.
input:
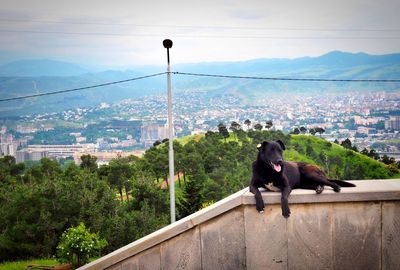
(192, 198)
(247, 122)
(223, 130)
(268, 124)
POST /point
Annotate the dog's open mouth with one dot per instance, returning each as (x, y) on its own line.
(276, 167)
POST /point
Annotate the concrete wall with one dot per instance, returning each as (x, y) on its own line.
(356, 229)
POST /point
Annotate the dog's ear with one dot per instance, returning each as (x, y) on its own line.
(262, 145)
(281, 144)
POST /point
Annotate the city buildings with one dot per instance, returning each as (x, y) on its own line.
(365, 117)
(393, 123)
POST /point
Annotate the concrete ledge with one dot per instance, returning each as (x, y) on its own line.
(168, 232)
(366, 190)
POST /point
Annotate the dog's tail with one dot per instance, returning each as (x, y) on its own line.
(343, 183)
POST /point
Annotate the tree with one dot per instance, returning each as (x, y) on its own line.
(146, 194)
(296, 131)
(89, 162)
(268, 124)
(373, 154)
(346, 144)
(319, 130)
(312, 131)
(209, 133)
(9, 169)
(178, 157)
(364, 151)
(235, 126)
(303, 130)
(156, 143)
(223, 131)
(192, 199)
(50, 168)
(258, 127)
(247, 122)
(120, 171)
(385, 159)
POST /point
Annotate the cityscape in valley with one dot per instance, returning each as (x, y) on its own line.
(370, 119)
(86, 167)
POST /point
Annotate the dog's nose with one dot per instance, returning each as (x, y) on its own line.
(279, 161)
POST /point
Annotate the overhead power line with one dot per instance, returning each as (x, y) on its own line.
(261, 36)
(82, 88)
(287, 79)
(205, 26)
(207, 75)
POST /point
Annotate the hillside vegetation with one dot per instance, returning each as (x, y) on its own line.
(338, 162)
(124, 201)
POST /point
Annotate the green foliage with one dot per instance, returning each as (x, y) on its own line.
(39, 203)
(223, 130)
(89, 162)
(268, 124)
(56, 136)
(192, 199)
(296, 131)
(21, 265)
(128, 198)
(247, 122)
(337, 161)
(258, 127)
(77, 245)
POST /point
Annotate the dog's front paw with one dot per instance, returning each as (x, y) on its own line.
(285, 212)
(260, 206)
(319, 189)
(336, 188)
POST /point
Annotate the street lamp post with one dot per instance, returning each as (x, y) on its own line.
(168, 44)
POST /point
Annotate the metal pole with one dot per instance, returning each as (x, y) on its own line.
(168, 44)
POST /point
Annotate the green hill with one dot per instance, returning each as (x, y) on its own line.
(223, 165)
(338, 162)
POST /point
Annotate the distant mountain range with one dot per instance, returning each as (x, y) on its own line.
(37, 68)
(28, 77)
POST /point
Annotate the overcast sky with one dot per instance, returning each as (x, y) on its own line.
(126, 33)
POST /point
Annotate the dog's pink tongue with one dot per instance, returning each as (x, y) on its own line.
(277, 167)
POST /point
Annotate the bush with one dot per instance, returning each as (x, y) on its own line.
(393, 169)
(78, 245)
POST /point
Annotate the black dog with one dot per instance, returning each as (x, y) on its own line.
(271, 172)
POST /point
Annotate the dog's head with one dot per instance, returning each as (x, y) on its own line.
(270, 153)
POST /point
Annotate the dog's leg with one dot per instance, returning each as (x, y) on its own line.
(286, 189)
(317, 187)
(326, 182)
(285, 201)
(259, 199)
(318, 176)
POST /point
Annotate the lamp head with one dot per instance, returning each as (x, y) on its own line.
(167, 43)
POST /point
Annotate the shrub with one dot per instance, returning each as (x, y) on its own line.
(77, 245)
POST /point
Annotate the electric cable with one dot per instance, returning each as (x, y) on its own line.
(82, 88)
(208, 75)
(205, 26)
(204, 36)
(286, 79)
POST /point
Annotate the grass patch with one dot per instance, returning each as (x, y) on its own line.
(21, 265)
